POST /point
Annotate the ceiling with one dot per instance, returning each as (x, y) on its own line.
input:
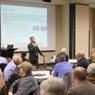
(60, 2)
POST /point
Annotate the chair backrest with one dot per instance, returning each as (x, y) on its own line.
(67, 78)
(2, 66)
(34, 68)
(44, 62)
(11, 79)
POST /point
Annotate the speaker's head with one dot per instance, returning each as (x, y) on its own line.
(47, 0)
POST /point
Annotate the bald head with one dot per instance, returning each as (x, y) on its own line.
(80, 55)
(17, 60)
(80, 73)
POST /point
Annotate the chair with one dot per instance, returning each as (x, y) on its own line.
(47, 68)
(67, 78)
(34, 68)
(2, 66)
(11, 79)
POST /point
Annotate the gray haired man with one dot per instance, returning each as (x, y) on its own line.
(52, 86)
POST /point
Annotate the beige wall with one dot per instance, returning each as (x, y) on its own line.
(65, 27)
(82, 28)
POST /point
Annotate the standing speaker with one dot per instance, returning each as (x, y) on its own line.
(47, 0)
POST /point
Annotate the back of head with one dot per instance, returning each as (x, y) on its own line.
(91, 70)
(26, 66)
(80, 73)
(63, 50)
(80, 55)
(61, 57)
(52, 86)
(17, 60)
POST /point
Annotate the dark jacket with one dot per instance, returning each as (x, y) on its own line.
(83, 63)
(82, 88)
(26, 85)
(33, 52)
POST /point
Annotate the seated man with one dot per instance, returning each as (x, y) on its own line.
(52, 86)
(81, 86)
(16, 73)
(27, 85)
(17, 61)
(62, 67)
(82, 61)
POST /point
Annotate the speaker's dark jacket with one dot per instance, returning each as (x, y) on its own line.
(33, 52)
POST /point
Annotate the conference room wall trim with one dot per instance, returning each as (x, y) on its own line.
(72, 12)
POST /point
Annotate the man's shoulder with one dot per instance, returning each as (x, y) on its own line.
(29, 78)
(82, 88)
(83, 84)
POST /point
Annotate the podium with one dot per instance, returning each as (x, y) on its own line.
(7, 52)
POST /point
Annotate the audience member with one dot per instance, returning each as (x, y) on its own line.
(9, 69)
(17, 61)
(62, 67)
(52, 86)
(3, 60)
(91, 57)
(82, 61)
(63, 51)
(27, 85)
(23, 55)
(2, 84)
(81, 86)
(16, 73)
(91, 73)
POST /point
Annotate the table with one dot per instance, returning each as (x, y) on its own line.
(73, 62)
(46, 76)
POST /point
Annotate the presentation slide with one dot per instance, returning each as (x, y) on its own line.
(19, 23)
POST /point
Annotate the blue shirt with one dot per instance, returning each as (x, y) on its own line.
(9, 69)
(62, 68)
(3, 60)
